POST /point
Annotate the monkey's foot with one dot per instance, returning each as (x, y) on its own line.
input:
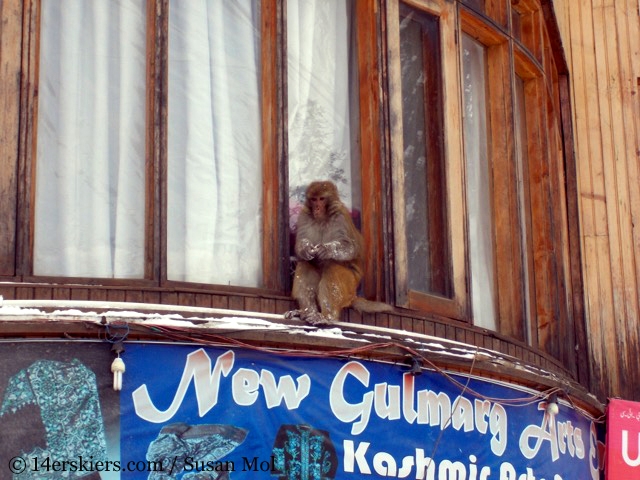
(291, 314)
(317, 319)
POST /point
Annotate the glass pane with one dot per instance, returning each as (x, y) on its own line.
(427, 235)
(478, 184)
(214, 159)
(322, 100)
(522, 161)
(90, 173)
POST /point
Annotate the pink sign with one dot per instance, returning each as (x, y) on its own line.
(623, 439)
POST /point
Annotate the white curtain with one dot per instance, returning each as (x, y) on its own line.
(478, 184)
(215, 175)
(322, 99)
(90, 200)
(89, 204)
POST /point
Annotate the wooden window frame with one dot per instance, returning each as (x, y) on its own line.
(455, 306)
(528, 72)
(512, 294)
(494, 10)
(548, 269)
(531, 26)
(155, 255)
(275, 246)
(374, 283)
(507, 264)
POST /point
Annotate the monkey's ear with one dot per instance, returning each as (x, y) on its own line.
(336, 207)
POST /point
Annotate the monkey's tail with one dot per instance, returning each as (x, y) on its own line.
(368, 306)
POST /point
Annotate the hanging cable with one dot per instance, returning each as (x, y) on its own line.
(119, 331)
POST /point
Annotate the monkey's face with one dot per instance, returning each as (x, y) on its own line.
(318, 206)
(319, 198)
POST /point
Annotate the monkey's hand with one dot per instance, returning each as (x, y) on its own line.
(306, 251)
(336, 250)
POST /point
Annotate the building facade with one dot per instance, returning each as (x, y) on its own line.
(155, 153)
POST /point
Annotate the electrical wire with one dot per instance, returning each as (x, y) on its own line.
(453, 409)
(217, 340)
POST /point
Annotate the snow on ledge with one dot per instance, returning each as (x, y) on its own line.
(154, 315)
(212, 319)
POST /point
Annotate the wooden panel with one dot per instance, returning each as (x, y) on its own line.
(42, 293)
(61, 294)
(236, 302)
(252, 304)
(541, 231)
(152, 297)
(624, 337)
(498, 10)
(80, 294)
(156, 140)
(202, 300)
(625, 176)
(117, 295)
(577, 319)
(370, 137)
(395, 322)
(24, 293)
(268, 305)
(508, 261)
(219, 301)
(98, 295)
(28, 130)
(10, 51)
(603, 48)
(561, 339)
(135, 296)
(591, 195)
(7, 292)
(187, 299)
(273, 257)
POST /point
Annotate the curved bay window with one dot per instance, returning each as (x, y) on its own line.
(174, 139)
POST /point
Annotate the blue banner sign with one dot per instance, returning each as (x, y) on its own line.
(210, 413)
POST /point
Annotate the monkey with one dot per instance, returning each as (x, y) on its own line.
(329, 251)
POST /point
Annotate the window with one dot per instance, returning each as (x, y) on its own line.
(429, 264)
(478, 183)
(322, 101)
(90, 172)
(421, 146)
(214, 172)
(175, 139)
(163, 166)
(524, 203)
(509, 180)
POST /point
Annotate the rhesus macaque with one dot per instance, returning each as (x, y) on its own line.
(329, 250)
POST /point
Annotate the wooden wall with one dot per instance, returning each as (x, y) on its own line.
(10, 55)
(602, 44)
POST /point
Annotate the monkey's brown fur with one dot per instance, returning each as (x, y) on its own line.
(329, 249)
